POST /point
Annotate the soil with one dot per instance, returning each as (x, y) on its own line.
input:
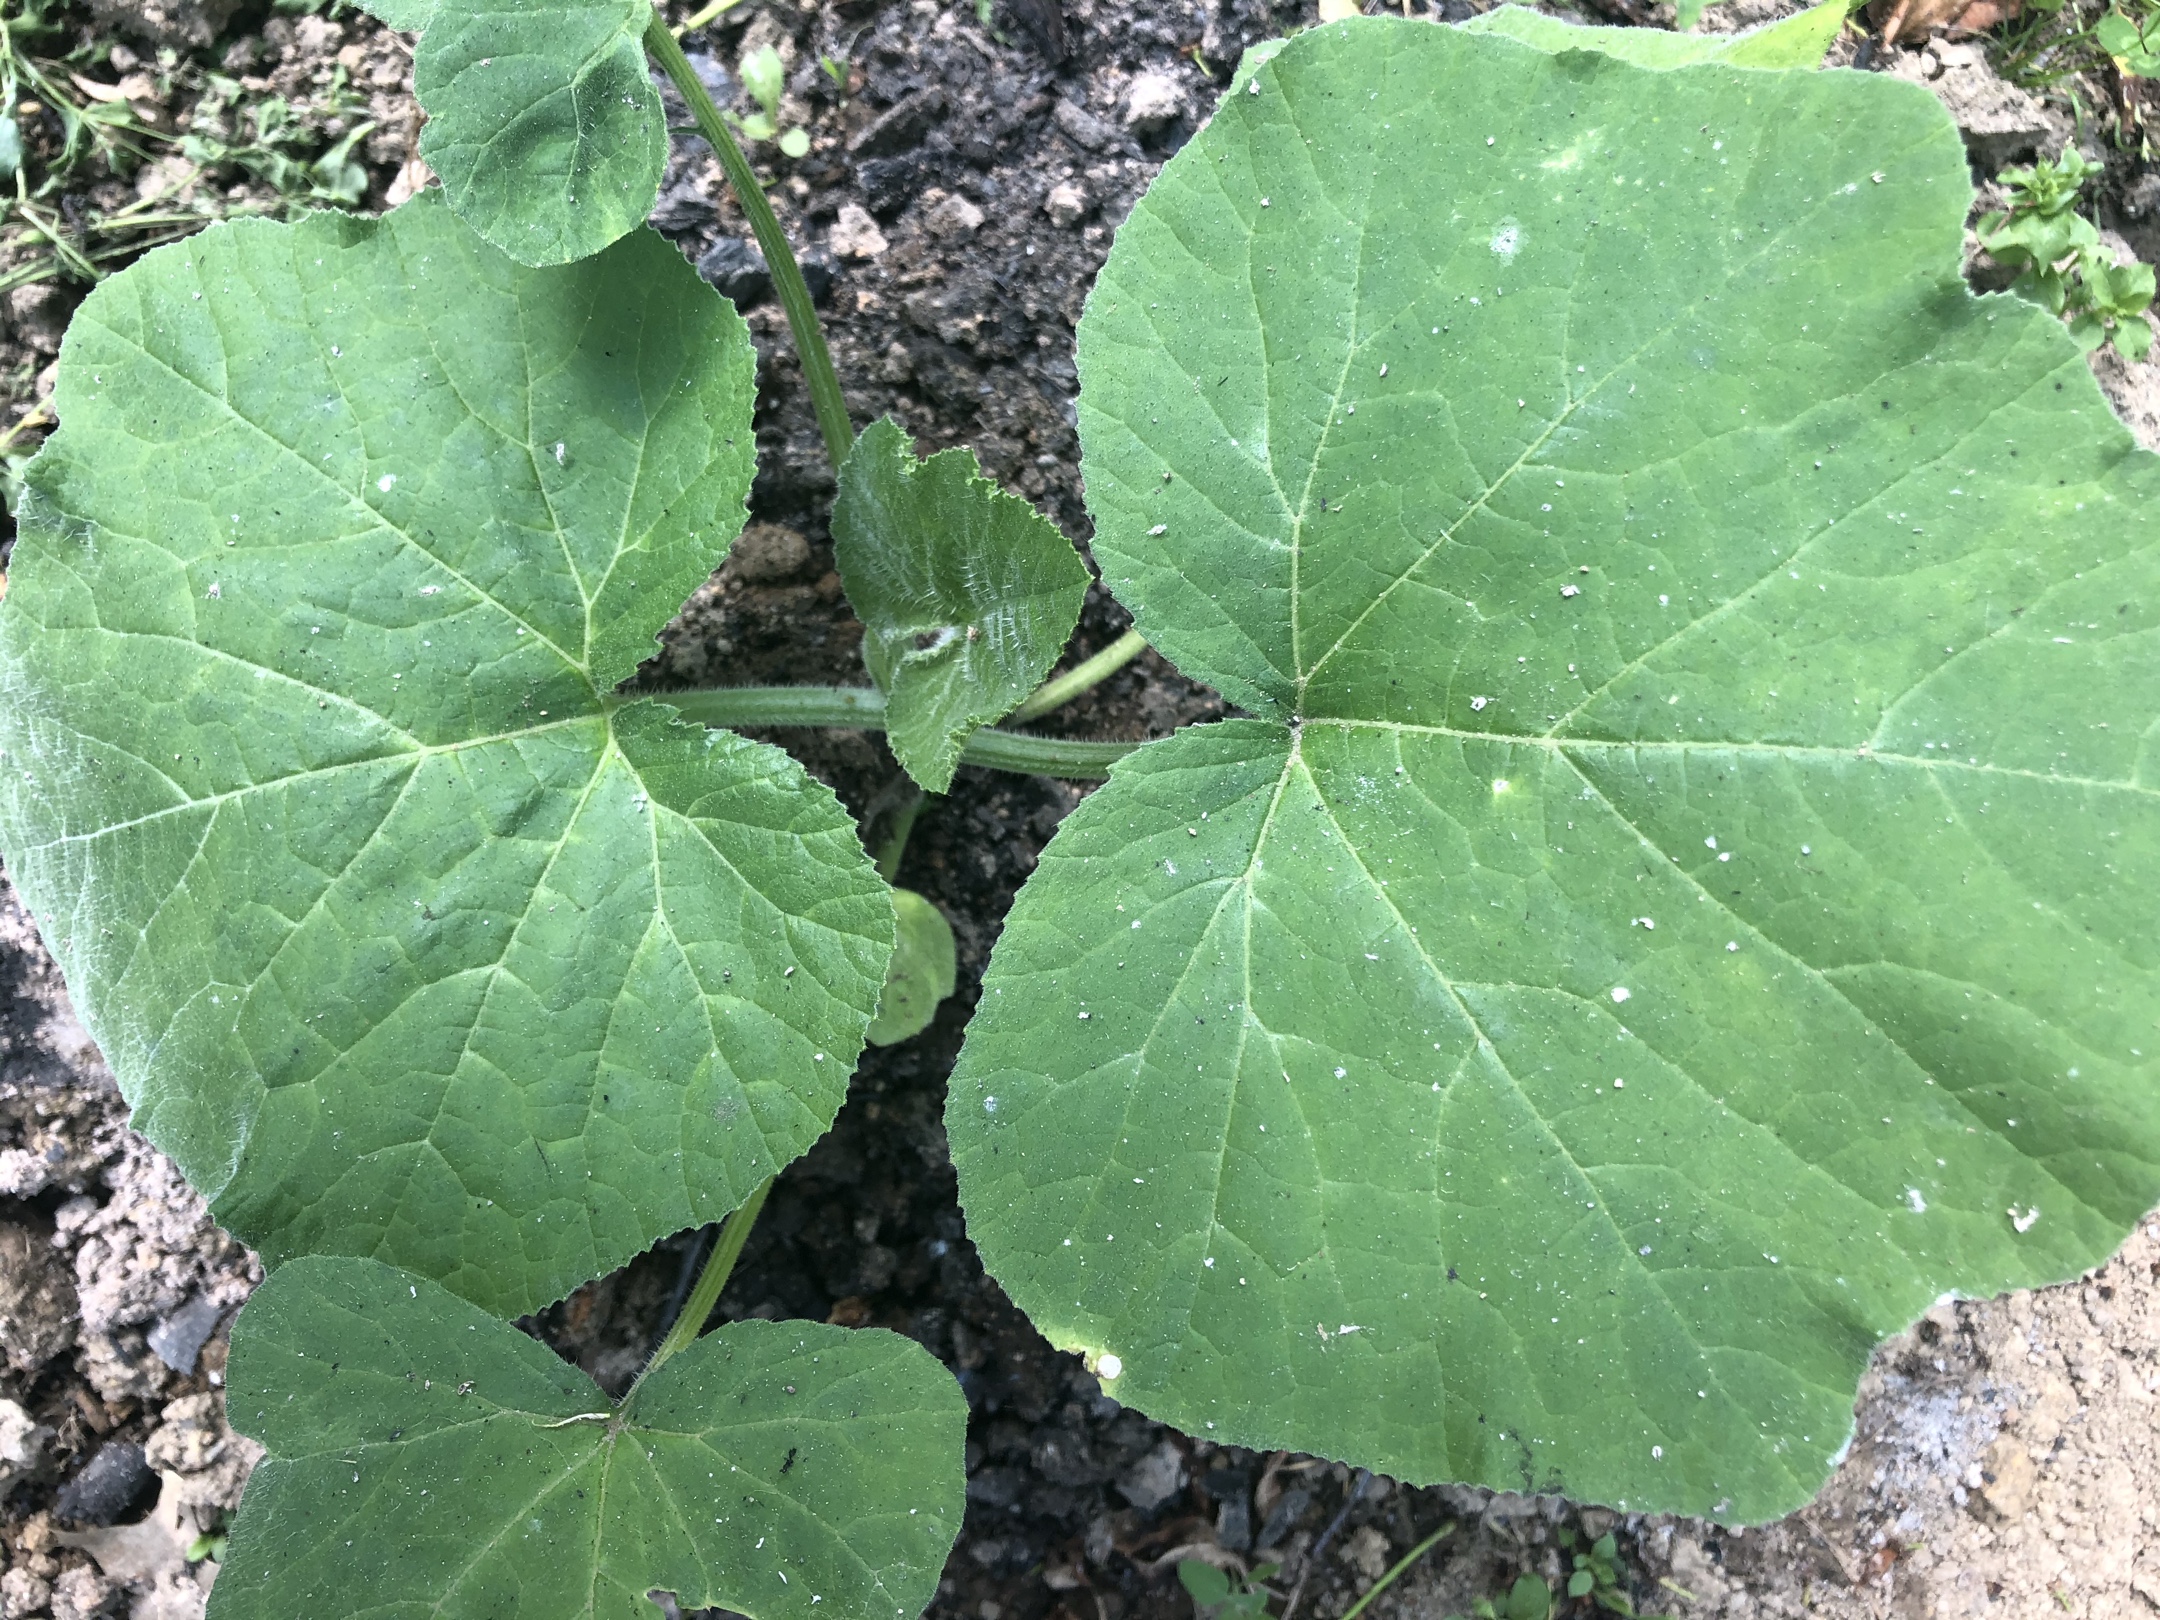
(959, 196)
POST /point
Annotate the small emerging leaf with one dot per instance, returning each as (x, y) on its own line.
(1209, 1586)
(1530, 1598)
(542, 119)
(795, 142)
(11, 147)
(437, 1461)
(966, 594)
(403, 935)
(764, 76)
(921, 974)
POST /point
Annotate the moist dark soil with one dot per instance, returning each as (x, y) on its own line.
(992, 155)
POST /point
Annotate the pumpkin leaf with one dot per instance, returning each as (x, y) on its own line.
(922, 972)
(408, 16)
(967, 594)
(1798, 41)
(403, 935)
(443, 1463)
(543, 121)
(1681, 906)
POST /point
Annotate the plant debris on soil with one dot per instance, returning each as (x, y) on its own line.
(968, 165)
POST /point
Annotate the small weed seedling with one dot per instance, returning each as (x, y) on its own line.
(1528, 1599)
(1672, 908)
(2061, 264)
(1595, 1578)
(765, 79)
(1596, 1572)
(1217, 1596)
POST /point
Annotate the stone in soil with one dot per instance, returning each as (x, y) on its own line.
(736, 270)
(107, 1488)
(166, 22)
(2001, 123)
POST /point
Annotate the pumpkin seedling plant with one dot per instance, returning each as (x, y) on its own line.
(1671, 906)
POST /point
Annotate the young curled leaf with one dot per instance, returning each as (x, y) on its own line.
(440, 1462)
(966, 594)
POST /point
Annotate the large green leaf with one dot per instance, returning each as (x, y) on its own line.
(427, 1460)
(1798, 41)
(1684, 905)
(967, 594)
(542, 118)
(402, 935)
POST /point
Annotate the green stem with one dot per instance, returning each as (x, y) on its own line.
(1387, 1580)
(864, 707)
(825, 396)
(718, 1266)
(895, 845)
(1057, 693)
(705, 14)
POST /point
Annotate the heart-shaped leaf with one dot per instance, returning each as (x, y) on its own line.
(427, 1459)
(1684, 905)
(543, 121)
(402, 935)
(967, 594)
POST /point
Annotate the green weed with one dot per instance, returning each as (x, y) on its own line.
(2060, 263)
(1217, 1596)
(764, 76)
